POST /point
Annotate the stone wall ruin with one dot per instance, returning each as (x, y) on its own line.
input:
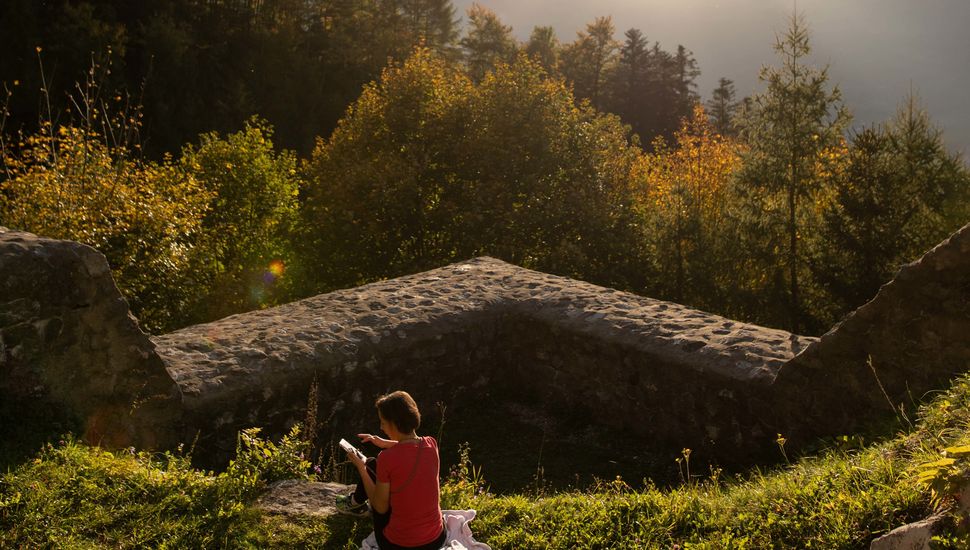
(481, 325)
(912, 338)
(672, 376)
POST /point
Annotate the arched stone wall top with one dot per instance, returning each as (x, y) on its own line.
(387, 316)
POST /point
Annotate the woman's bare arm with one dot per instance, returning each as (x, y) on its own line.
(379, 441)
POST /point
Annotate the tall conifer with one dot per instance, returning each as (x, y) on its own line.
(586, 61)
(789, 127)
(487, 43)
(543, 47)
(723, 107)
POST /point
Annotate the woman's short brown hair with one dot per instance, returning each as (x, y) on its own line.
(398, 407)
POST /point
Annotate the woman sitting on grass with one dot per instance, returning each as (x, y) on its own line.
(401, 484)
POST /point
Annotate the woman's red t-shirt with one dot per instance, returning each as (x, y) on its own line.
(415, 508)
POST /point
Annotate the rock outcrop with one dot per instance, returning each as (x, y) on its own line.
(67, 341)
(296, 497)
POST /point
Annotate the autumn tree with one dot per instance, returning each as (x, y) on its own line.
(585, 61)
(788, 128)
(188, 240)
(245, 233)
(74, 182)
(685, 194)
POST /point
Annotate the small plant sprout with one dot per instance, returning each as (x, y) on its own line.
(685, 458)
(780, 440)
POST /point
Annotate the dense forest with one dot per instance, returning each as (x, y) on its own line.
(227, 155)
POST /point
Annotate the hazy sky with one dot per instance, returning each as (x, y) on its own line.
(875, 49)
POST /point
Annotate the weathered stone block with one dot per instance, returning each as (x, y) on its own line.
(70, 343)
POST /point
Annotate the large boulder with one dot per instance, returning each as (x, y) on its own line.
(68, 342)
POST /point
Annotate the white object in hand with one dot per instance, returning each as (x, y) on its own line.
(346, 446)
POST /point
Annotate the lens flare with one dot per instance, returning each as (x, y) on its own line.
(277, 268)
(258, 293)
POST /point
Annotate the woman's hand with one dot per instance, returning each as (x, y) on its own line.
(378, 441)
(357, 461)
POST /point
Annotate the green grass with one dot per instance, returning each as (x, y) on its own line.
(72, 495)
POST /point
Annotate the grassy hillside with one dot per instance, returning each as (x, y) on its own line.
(73, 495)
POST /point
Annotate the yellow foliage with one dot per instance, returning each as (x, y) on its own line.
(689, 179)
(141, 215)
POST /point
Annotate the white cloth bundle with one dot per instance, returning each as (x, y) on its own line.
(459, 533)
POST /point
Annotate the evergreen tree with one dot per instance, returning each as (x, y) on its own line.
(900, 193)
(487, 43)
(630, 84)
(651, 89)
(675, 92)
(432, 24)
(543, 47)
(789, 129)
(685, 78)
(201, 65)
(723, 107)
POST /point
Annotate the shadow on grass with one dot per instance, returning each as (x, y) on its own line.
(524, 449)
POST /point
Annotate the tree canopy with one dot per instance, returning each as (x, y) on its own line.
(430, 167)
(231, 155)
